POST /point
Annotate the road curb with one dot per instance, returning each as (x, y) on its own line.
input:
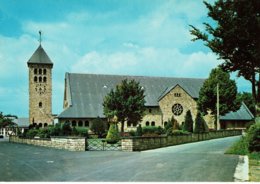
(242, 169)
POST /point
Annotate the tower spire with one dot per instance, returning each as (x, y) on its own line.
(40, 37)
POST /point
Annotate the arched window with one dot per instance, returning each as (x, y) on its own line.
(40, 71)
(44, 71)
(40, 79)
(150, 110)
(80, 123)
(128, 124)
(87, 123)
(44, 79)
(165, 123)
(153, 123)
(40, 125)
(40, 104)
(35, 79)
(147, 123)
(45, 124)
(35, 71)
(74, 123)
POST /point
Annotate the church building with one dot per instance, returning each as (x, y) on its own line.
(84, 93)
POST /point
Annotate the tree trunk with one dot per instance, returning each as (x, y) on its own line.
(257, 102)
(122, 126)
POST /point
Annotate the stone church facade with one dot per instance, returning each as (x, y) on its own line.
(84, 93)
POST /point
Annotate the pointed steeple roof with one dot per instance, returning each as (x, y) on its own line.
(40, 57)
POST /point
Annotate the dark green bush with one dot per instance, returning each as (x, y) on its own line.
(43, 133)
(132, 133)
(98, 127)
(81, 131)
(113, 135)
(55, 130)
(139, 130)
(253, 137)
(180, 132)
(66, 129)
(31, 133)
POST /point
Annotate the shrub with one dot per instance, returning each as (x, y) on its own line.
(180, 132)
(188, 122)
(200, 124)
(31, 133)
(253, 137)
(132, 133)
(169, 131)
(149, 129)
(66, 129)
(168, 125)
(112, 135)
(98, 127)
(43, 133)
(239, 148)
(139, 130)
(81, 131)
(55, 130)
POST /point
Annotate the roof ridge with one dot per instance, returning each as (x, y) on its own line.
(146, 76)
(247, 109)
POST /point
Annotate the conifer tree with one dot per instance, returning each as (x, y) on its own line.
(200, 124)
(188, 122)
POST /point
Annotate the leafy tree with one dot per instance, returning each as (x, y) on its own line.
(98, 127)
(126, 102)
(113, 134)
(253, 137)
(200, 124)
(188, 122)
(235, 38)
(248, 99)
(227, 93)
(5, 120)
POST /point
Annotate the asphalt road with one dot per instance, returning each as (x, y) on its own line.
(202, 161)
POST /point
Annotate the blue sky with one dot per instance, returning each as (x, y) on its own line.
(129, 37)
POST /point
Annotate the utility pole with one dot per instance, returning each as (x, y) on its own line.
(218, 123)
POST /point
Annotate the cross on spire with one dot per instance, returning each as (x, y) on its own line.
(40, 38)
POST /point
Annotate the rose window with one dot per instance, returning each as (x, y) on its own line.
(177, 109)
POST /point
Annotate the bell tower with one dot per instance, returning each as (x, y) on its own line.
(40, 87)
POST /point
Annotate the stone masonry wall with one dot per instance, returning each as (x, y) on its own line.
(186, 101)
(67, 143)
(146, 143)
(40, 114)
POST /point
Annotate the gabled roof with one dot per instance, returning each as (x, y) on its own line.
(87, 91)
(167, 90)
(40, 57)
(242, 114)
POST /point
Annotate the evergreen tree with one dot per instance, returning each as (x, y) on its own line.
(113, 134)
(139, 130)
(200, 124)
(188, 122)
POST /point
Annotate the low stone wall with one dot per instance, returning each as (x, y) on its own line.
(146, 143)
(68, 143)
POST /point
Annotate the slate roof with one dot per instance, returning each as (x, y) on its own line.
(242, 114)
(40, 57)
(22, 122)
(88, 90)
